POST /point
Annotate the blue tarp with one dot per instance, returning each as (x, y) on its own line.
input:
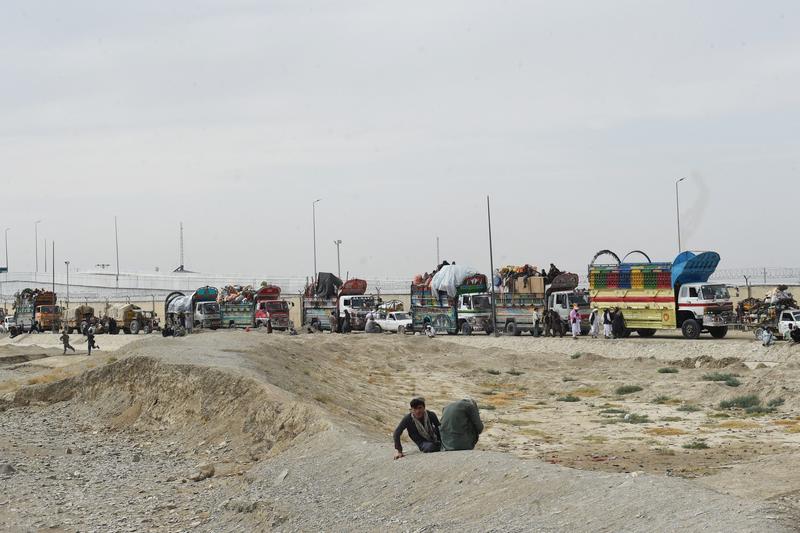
(689, 267)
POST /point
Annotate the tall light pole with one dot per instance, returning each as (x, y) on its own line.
(338, 242)
(678, 212)
(314, 223)
(6, 232)
(36, 239)
(491, 267)
(116, 245)
(67, 263)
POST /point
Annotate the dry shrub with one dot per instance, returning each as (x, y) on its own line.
(665, 432)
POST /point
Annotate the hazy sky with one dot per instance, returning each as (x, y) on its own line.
(577, 117)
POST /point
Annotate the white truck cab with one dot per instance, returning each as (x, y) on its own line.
(788, 316)
(709, 304)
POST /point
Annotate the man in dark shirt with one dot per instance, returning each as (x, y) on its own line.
(423, 428)
(461, 425)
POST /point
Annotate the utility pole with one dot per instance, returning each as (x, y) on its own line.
(67, 263)
(314, 226)
(491, 267)
(437, 250)
(6, 232)
(36, 241)
(116, 244)
(53, 255)
(765, 275)
(338, 242)
(678, 212)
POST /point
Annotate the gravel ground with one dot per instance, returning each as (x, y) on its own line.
(293, 429)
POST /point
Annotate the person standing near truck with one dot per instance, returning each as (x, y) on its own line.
(608, 318)
(575, 321)
(594, 324)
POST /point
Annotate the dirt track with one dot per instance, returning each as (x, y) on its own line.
(343, 395)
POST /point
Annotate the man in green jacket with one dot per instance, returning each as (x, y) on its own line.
(461, 425)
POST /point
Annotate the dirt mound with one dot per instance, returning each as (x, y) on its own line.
(144, 394)
(705, 361)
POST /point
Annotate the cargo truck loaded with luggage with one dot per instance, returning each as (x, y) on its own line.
(663, 296)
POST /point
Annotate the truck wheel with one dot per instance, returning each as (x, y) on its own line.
(646, 332)
(690, 329)
(759, 333)
(511, 329)
(134, 327)
(401, 330)
(466, 329)
(718, 332)
(148, 329)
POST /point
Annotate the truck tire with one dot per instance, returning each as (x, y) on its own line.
(718, 332)
(690, 328)
(401, 330)
(511, 329)
(135, 327)
(466, 329)
(759, 332)
(148, 329)
(646, 332)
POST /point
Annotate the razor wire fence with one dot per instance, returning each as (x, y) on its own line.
(97, 286)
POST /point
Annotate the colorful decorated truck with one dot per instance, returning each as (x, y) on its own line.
(329, 296)
(270, 308)
(663, 296)
(467, 308)
(200, 306)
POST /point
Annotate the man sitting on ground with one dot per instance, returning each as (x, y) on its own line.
(423, 428)
(461, 425)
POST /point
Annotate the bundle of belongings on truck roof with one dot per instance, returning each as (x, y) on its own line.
(27, 296)
(507, 276)
(236, 294)
(327, 285)
(451, 276)
(424, 280)
(780, 296)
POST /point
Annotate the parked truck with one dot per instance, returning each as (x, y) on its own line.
(200, 307)
(127, 318)
(468, 310)
(36, 309)
(562, 294)
(270, 308)
(329, 296)
(663, 296)
(78, 318)
(47, 312)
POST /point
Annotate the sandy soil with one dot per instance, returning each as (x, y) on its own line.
(667, 456)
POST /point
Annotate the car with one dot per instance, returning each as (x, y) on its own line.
(397, 321)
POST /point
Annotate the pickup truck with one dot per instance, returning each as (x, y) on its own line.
(396, 321)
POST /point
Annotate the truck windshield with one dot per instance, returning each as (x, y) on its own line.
(481, 302)
(364, 302)
(580, 298)
(48, 309)
(401, 316)
(277, 306)
(211, 307)
(714, 292)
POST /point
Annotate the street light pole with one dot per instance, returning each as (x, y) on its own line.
(67, 263)
(36, 239)
(678, 213)
(491, 267)
(6, 232)
(338, 242)
(314, 223)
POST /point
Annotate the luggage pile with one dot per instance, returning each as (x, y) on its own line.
(236, 294)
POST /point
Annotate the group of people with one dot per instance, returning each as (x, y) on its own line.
(549, 323)
(458, 430)
(88, 332)
(343, 324)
